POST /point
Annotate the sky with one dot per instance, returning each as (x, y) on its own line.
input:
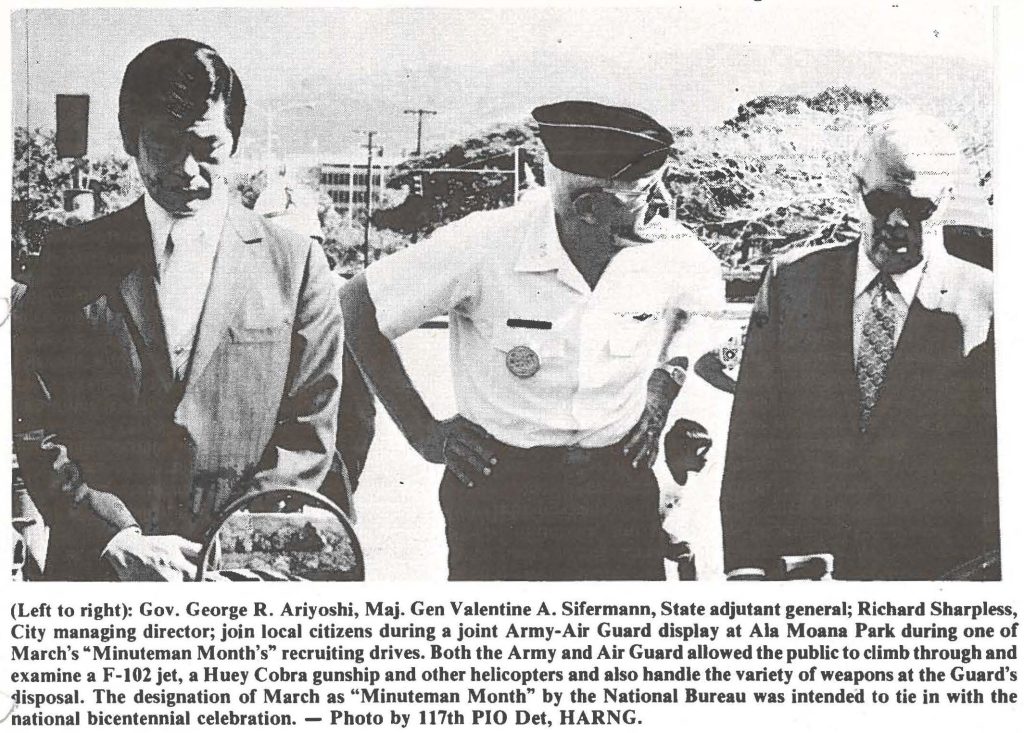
(361, 68)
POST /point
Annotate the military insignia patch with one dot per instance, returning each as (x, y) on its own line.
(522, 361)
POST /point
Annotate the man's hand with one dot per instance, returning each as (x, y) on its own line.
(464, 447)
(136, 556)
(642, 441)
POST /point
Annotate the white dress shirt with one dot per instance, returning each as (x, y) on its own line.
(906, 290)
(598, 347)
(184, 271)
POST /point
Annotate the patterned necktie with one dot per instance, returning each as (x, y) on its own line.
(877, 343)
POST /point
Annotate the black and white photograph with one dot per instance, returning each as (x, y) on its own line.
(679, 320)
(566, 293)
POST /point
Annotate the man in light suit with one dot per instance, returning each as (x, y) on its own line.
(183, 349)
(864, 420)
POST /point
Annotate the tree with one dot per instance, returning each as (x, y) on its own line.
(39, 180)
(344, 246)
(248, 186)
(776, 176)
(447, 197)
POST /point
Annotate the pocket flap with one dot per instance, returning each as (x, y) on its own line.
(259, 334)
(623, 339)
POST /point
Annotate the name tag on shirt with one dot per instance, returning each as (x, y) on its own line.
(528, 323)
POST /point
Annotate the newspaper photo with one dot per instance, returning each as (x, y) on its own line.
(563, 296)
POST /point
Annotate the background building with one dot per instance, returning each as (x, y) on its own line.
(344, 180)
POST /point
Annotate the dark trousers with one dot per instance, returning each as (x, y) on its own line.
(555, 514)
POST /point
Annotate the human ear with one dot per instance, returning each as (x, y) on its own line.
(585, 207)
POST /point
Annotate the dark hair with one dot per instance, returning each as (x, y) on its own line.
(178, 78)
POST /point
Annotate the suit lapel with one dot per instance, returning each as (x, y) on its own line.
(916, 341)
(842, 312)
(137, 289)
(227, 289)
(840, 323)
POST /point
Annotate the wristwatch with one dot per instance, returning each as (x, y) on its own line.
(676, 369)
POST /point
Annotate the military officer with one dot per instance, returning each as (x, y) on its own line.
(572, 321)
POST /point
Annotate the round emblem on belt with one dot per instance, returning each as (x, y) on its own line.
(522, 361)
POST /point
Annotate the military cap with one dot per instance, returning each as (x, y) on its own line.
(596, 140)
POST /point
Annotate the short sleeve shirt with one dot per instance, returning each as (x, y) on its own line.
(506, 283)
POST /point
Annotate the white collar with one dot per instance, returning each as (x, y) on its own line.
(208, 222)
(906, 282)
(541, 249)
(160, 223)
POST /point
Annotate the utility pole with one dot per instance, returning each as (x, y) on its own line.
(369, 191)
(419, 126)
(515, 176)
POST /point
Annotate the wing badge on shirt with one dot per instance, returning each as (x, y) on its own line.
(638, 316)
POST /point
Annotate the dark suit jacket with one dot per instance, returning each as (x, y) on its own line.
(913, 497)
(127, 444)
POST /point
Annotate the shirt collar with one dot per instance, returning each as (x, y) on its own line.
(906, 282)
(208, 222)
(160, 223)
(541, 249)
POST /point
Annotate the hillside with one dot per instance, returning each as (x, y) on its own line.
(772, 177)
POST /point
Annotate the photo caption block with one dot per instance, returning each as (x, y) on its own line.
(446, 660)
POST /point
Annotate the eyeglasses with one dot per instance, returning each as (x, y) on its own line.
(881, 204)
(630, 195)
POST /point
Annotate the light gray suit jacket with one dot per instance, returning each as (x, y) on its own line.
(126, 444)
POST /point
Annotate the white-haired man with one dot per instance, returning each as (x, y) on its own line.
(561, 310)
(864, 420)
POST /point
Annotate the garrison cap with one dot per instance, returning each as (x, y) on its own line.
(596, 140)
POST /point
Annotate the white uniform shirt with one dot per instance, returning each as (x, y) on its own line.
(509, 264)
(183, 277)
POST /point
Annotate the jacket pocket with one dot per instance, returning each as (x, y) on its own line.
(259, 334)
